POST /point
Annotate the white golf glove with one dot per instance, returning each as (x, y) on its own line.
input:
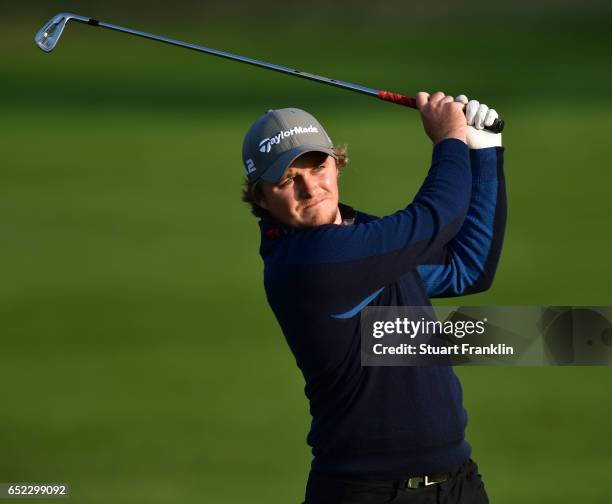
(478, 116)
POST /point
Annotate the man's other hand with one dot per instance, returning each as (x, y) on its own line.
(442, 117)
(478, 115)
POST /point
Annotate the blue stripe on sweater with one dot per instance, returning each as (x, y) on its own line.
(354, 311)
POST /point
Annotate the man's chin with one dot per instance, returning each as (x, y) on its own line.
(318, 219)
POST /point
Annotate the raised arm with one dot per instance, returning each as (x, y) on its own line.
(467, 264)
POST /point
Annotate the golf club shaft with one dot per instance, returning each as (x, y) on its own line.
(396, 98)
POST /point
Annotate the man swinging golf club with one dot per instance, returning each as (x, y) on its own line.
(378, 434)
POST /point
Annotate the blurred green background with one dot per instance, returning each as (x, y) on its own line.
(140, 361)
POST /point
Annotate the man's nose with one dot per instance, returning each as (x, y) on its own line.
(307, 185)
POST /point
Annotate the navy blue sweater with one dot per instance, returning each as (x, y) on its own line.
(386, 421)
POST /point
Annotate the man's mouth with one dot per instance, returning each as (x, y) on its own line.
(312, 205)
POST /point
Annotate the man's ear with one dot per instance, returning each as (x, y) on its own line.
(262, 202)
(260, 198)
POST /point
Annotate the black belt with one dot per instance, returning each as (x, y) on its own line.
(411, 482)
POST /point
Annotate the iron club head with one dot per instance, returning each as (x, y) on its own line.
(49, 34)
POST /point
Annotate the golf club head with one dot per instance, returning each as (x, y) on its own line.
(49, 34)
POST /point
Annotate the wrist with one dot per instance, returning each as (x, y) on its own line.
(454, 135)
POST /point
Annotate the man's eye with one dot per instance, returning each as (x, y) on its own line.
(286, 181)
(319, 168)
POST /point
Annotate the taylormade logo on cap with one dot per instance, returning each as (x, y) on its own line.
(266, 144)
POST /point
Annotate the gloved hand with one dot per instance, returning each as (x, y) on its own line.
(478, 116)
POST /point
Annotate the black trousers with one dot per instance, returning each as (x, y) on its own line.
(464, 487)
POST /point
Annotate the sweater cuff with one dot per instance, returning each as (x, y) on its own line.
(452, 148)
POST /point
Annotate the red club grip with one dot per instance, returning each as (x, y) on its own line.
(406, 101)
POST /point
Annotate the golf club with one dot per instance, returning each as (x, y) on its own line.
(48, 36)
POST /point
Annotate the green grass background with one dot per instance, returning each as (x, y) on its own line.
(140, 362)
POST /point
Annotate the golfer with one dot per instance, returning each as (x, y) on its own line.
(378, 434)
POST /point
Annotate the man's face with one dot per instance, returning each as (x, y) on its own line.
(307, 194)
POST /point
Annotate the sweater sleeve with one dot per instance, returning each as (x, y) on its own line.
(352, 262)
(467, 263)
